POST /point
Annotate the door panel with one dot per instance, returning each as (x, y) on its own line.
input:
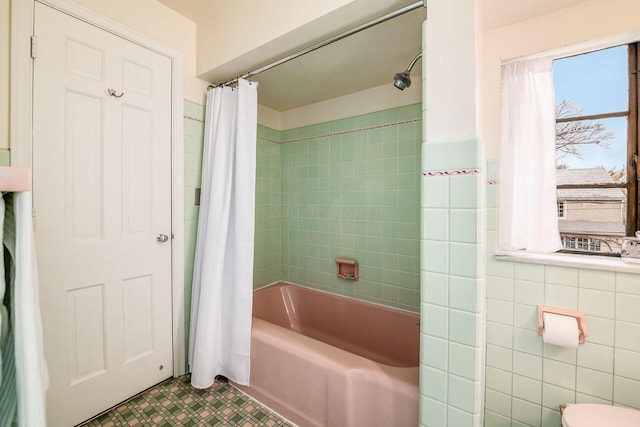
(102, 192)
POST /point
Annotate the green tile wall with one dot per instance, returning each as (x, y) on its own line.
(526, 379)
(452, 324)
(193, 139)
(5, 157)
(267, 263)
(351, 188)
(346, 188)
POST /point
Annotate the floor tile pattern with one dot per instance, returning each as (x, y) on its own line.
(175, 403)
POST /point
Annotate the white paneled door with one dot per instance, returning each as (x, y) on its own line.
(102, 201)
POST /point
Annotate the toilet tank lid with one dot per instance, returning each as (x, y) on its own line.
(595, 415)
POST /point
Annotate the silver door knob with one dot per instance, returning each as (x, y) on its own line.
(162, 238)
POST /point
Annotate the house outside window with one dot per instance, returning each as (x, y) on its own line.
(596, 148)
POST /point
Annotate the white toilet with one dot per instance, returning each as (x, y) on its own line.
(593, 415)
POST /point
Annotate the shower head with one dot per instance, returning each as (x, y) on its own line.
(403, 80)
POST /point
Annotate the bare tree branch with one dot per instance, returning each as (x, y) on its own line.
(572, 136)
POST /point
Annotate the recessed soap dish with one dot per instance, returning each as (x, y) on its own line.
(347, 268)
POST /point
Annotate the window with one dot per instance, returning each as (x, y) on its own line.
(582, 244)
(596, 148)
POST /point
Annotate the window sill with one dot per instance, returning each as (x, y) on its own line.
(593, 262)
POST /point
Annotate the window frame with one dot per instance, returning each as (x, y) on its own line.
(632, 114)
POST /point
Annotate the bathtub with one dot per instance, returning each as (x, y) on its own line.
(323, 360)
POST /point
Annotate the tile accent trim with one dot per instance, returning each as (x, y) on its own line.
(194, 119)
(346, 132)
(262, 138)
(452, 172)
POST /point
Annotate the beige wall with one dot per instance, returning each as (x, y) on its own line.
(367, 101)
(4, 73)
(157, 21)
(255, 31)
(583, 23)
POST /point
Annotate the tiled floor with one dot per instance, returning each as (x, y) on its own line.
(176, 403)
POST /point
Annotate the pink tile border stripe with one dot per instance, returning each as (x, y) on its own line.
(403, 122)
(195, 119)
(452, 172)
(346, 132)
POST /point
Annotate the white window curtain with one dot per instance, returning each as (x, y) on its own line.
(222, 293)
(528, 210)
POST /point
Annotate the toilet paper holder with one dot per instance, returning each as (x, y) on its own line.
(580, 318)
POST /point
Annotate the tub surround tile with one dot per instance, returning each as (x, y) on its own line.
(463, 260)
(496, 420)
(595, 383)
(463, 327)
(565, 276)
(463, 191)
(553, 396)
(436, 157)
(603, 370)
(527, 389)
(462, 226)
(499, 380)
(626, 392)
(526, 412)
(434, 352)
(561, 296)
(627, 283)
(500, 311)
(597, 280)
(601, 331)
(463, 361)
(435, 192)
(433, 413)
(627, 363)
(435, 224)
(498, 268)
(438, 381)
(453, 246)
(461, 393)
(435, 288)
(500, 357)
(436, 321)
(531, 293)
(627, 336)
(585, 398)
(627, 308)
(463, 294)
(598, 357)
(435, 256)
(500, 288)
(498, 403)
(560, 354)
(527, 365)
(600, 303)
(529, 272)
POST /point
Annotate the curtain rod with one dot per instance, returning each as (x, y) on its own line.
(338, 37)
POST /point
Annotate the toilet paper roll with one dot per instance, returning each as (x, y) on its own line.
(560, 330)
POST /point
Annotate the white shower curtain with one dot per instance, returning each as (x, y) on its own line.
(528, 215)
(221, 301)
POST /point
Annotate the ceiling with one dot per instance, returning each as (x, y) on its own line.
(365, 60)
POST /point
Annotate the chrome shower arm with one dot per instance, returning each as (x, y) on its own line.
(410, 67)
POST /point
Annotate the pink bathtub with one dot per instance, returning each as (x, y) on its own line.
(324, 360)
